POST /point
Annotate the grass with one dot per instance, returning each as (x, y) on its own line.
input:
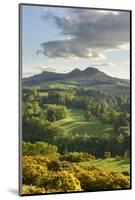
(62, 86)
(55, 85)
(110, 164)
(51, 85)
(43, 94)
(75, 123)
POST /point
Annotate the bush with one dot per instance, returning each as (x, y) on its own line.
(32, 171)
(39, 148)
(117, 157)
(61, 182)
(125, 173)
(93, 180)
(29, 189)
(127, 155)
(119, 181)
(62, 176)
(55, 112)
(88, 115)
(35, 130)
(97, 179)
(54, 165)
(107, 155)
(77, 157)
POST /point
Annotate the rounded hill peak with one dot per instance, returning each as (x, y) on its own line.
(91, 69)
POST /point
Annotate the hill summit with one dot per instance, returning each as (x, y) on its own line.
(90, 77)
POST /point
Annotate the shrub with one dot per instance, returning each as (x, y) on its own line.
(97, 179)
(77, 157)
(61, 182)
(119, 181)
(127, 155)
(93, 180)
(88, 115)
(38, 148)
(29, 189)
(125, 173)
(107, 155)
(54, 165)
(32, 171)
(117, 157)
(55, 112)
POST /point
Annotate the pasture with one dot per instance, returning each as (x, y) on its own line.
(76, 123)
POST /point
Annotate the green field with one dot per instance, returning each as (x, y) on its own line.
(75, 123)
(60, 86)
(42, 94)
(110, 164)
(56, 85)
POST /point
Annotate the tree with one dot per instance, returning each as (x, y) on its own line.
(36, 129)
(56, 98)
(38, 148)
(127, 154)
(88, 115)
(77, 157)
(104, 107)
(107, 155)
(55, 112)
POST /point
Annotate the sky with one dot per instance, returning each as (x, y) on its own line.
(61, 39)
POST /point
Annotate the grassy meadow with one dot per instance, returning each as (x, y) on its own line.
(75, 123)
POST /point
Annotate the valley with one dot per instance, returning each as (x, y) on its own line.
(76, 131)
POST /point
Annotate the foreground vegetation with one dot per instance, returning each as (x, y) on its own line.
(46, 171)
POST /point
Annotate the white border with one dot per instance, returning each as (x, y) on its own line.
(9, 99)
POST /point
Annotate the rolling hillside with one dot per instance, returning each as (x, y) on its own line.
(90, 78)
(75, 123)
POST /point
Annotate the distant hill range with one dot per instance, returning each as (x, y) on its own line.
(90, 77)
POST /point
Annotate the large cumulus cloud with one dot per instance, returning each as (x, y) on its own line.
(88, 33)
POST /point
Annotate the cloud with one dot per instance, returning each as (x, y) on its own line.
(102, 64)
(57, 69)
(90, 33)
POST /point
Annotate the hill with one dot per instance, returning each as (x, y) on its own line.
(90, 78)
